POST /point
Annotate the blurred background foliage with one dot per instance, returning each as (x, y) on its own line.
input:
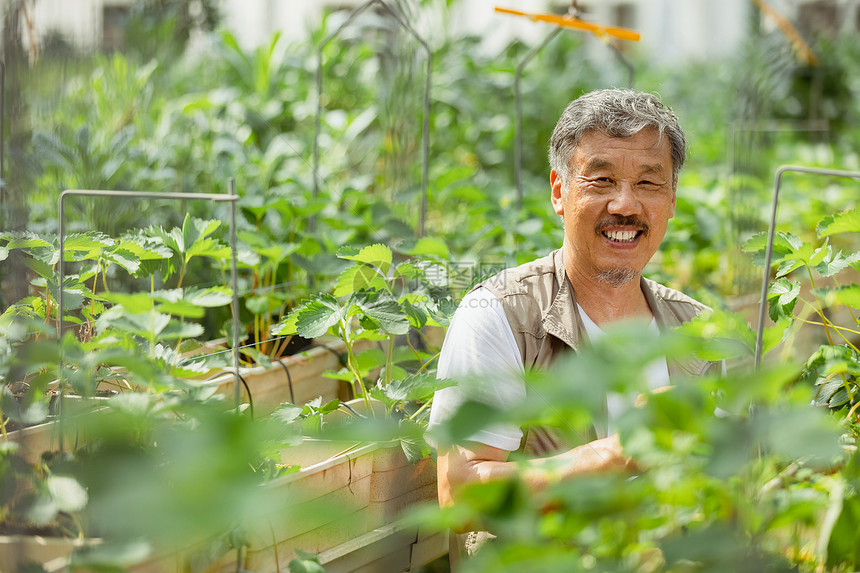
(156, 116)
(166, 113)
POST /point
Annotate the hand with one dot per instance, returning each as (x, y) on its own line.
(599, 456)
(642, 399)
(610, 455)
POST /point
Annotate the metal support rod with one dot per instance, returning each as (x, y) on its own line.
(770, 235)
(214, 197)
(425, 127)
(425, 131)
(574, 12)
(518, 138)
(753, 127)
(234, 273)
(2, 136)
(622, 59)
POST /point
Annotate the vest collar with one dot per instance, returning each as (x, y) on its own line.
(561, 318)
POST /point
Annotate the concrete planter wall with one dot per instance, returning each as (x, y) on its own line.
(368, 488)
(271, 386)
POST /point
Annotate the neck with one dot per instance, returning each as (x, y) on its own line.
(605, 303)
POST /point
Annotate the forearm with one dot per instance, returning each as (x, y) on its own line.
(462, 466)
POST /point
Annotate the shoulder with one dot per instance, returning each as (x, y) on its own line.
(674, 301)
(517, 280)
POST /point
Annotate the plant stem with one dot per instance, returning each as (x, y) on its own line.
(827, 322)
(429, 360)
(834, 326)
(421, 409)
(819, 307)
(417, 354)
(352, 364)
(851, 412)
(838, 330)
(388, 358)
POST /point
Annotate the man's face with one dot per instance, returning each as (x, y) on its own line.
(619, 199)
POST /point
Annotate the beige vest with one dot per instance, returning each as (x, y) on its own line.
(539, 304)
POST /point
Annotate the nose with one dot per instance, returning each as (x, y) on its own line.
(625, 201)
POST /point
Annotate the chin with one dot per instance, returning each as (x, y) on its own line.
(618, 276)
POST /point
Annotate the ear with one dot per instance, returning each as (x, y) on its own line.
(557, 192)
(674, 198)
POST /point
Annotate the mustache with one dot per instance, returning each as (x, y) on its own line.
(620, 221)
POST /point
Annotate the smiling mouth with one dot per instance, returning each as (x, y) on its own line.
(622, 236)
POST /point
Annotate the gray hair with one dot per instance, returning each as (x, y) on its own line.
(617, 113)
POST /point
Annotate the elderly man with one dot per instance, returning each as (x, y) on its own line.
(614, 157)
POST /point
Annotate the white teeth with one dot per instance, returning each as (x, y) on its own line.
(621, 236)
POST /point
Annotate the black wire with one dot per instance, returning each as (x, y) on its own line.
(289, 380)
(248, 390)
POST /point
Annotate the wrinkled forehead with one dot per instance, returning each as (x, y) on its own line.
(647, 150)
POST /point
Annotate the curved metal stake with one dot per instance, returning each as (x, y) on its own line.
(518, 139)
(2, 135)
(215, 197)
(770, 234)
(622, 59)
(425, 130)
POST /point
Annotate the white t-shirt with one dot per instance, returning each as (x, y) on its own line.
(480, 341)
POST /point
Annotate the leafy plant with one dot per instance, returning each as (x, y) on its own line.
(823, 300)
(379, 299)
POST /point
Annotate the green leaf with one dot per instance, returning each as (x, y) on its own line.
(86, 246)
(257, 304)
(843, 545)
(358, 277)
(386, 313)
(209, 297)
(40, 509)
(126, 259)
(195, 231)
(137, 303)
(176, 330)
(370, 359)
(782, 297)
(409, 271)
(820, 254)
(24, 240)
(317, 316)
(845, 222)
(68, 494)
(419, 387)
(181, 308)
(834, 263)
(20, 410)
(378, 255)
(288, 325)
(287, 413)
(40, 267)
(787, 266)
(208, 248)
(783, 244)
(306, 563)
(416, 316)
(848, 295)
(430, 246)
